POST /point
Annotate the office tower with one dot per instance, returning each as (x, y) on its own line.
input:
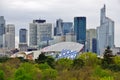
(40, 31)
(59, 27)
(44, 32)
(23, 36)
(23, 40)
(66, 27)
(94, 45)
(9, 37)
(80, 29)
(105, 32)
(33, 32)
(2, 30)
(91, 35)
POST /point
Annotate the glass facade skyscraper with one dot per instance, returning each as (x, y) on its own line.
(66, 27)
(80, 29)
(94, 45)
(105, 32)
(23, 36)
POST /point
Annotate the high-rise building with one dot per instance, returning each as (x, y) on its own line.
(66, 27)
(33, 32)
(80, 29)
(39, 31)
(105, 32)
(44, 32)
(91, 35)
(23, 36)
(9, 37)
(2, 30)
(62, 27)
(59, 27)
(23, 39)
(94, 45)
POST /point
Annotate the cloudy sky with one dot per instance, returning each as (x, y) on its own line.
(22, 12)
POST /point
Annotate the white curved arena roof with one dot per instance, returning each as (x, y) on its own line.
(64, 45)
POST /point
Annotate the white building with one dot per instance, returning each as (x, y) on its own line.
(105, 32)
(9, 37)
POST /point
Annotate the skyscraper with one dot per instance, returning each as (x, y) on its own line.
(67, 27)
(44, 32)
(91, 35)
(59, 27)
(105, 32)
(80, 29)
(2, 30)
(23, 36)
(39, 31)
(33, 32)
(10, 37)
(94, 45)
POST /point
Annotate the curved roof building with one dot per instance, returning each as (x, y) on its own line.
(64, 45)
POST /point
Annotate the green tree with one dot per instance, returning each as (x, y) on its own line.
(64, 63)
(42, 58)
(50, 61)
(117, 60)
(44, 66)
(2, 75)
(9, 67)
(78, 63)
(27, 71)
(90, 59)
(49, 74)
(3, 59)
(108, 53)
(107, 58)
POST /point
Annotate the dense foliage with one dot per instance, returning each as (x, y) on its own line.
(87, 66)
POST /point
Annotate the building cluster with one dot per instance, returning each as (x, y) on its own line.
(42, 34)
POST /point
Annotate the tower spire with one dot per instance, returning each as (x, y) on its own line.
(104, 6)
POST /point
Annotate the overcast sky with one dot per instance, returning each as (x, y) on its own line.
(22, 12)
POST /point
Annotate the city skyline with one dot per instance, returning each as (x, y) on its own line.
(54, 9)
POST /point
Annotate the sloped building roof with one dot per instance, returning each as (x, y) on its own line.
(64, 45)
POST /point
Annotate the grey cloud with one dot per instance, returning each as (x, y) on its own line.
(21, 15)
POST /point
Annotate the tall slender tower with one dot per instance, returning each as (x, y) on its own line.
(103, 15)
(105, 32)
(80, 29)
